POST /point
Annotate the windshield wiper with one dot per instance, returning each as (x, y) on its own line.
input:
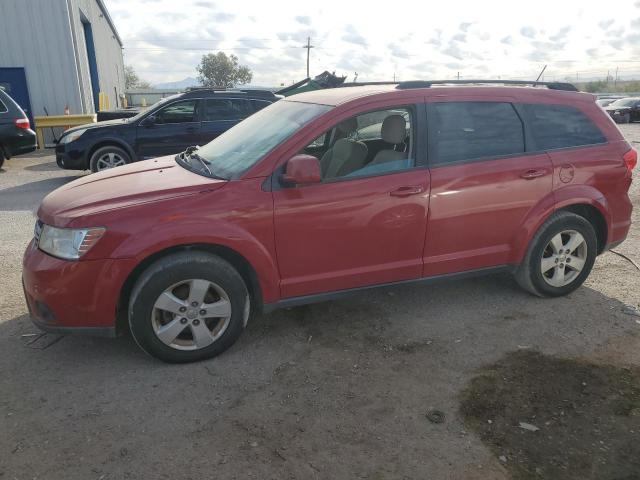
(190, 153)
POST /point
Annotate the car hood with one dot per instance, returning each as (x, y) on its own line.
(609, 108)
(121, 187)
(90, 126)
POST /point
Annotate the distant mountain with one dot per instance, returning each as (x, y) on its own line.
(179, 85)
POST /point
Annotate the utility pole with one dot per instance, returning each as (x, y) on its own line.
(615, 82)
(308, 46)
(458, 75)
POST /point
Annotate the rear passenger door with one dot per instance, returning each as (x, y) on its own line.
(220, 114)
(483, 183)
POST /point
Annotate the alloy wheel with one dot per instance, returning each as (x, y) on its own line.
(563, 258)
(191, 315)
(110, 160)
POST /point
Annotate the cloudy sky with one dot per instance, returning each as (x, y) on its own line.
(164, 39)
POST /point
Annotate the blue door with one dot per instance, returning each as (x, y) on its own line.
(14, 82)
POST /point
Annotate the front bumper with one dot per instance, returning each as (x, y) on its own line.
(618, 117)
(71, 156)
(72, 296)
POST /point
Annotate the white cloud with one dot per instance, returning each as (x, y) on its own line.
(165, 39)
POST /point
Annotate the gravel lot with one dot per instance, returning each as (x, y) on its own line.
(333, 390)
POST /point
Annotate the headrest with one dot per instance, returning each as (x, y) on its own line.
(394, 129)
(350, 149)
(348, 125)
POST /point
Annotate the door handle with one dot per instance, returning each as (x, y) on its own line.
(531, 174)
(407, 191)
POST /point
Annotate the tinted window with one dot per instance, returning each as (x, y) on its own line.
(3, 107)
(179, 112)
(226, 109)
(259, 104)
(475, 130)
(559, 126)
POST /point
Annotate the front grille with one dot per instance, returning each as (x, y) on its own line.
(37, 230)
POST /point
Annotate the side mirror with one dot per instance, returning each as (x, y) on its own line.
(302, 170)
(149, 121)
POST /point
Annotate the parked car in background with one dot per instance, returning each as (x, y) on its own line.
(16, 135)
(603, 102)
(327, 192)
(624, 110)
(170, 126)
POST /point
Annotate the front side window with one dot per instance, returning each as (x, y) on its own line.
(241, 147)
(179, 112)
(373, 143)
(561, 126)
(226, 109)
(468, 131)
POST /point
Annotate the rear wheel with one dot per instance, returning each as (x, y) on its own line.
(560, 257)
(108, 157)
(188, 307)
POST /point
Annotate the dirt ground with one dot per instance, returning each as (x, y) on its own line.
(334, 390)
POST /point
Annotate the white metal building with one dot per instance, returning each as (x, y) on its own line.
(60, 53)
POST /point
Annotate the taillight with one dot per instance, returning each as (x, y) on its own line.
(630, 159)
(22, 123)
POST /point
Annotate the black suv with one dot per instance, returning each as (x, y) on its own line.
(168, 127)
(16, 136)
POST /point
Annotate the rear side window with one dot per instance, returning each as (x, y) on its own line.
(259, 104)
(467, 131)
(561, 126)
(226, 109)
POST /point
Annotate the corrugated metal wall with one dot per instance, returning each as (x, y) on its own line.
(46, 37)
(36, 36)
(108, 51)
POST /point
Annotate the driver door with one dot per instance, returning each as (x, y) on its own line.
(359, 228)
(176, 127)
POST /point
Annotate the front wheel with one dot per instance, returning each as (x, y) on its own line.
(560, 256)
(187, 307)
(108, 157)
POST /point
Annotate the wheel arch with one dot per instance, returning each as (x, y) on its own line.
(595, 217)
(109, 142)
(238, 261)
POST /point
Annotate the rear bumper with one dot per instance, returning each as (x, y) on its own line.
(72, 296)
(24, 141)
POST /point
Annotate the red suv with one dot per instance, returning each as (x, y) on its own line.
(329, 192)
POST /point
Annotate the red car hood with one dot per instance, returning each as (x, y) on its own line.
(121, 187)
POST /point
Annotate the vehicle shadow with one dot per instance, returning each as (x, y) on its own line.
(28, 196)
(44, 167)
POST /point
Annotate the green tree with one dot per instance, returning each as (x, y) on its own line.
(131, 79)
(220, 70)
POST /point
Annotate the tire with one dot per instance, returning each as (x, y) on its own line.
(1, 157)
(181, 277)
(108, 157)
(542, 254)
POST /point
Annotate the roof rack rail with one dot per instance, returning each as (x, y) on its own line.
(568, 87)
(360, 84)
(195, 89)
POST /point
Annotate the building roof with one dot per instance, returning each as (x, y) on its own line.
(110, 21)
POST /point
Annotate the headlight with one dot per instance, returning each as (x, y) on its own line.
(72, 137)
(617, 112)
(68, 243)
